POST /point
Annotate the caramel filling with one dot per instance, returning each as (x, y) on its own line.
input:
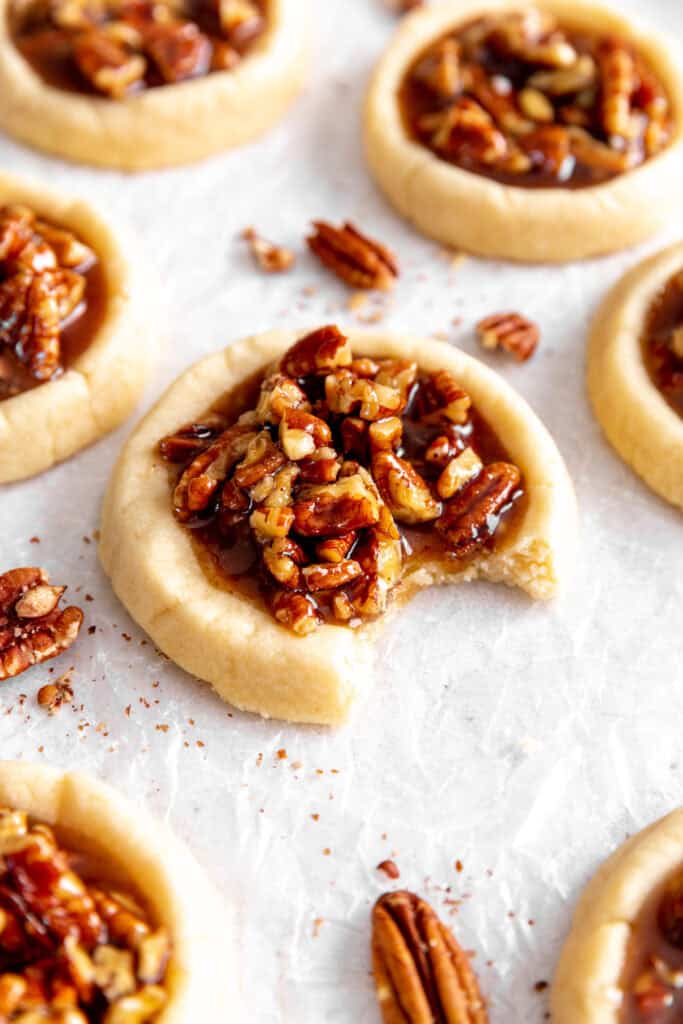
(525, 101)
(662, 342)
(652, 980)
(52, 300)
(75, 944)
(117, 48)
(322, 485)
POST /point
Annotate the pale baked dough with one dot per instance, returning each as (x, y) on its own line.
(636, 418)
(203, 974)
(49, 423)
(251, 660)
(586, 989)
(172, 124)
(463, 209)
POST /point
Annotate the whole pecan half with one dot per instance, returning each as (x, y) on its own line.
(32, 627)
(470, 519)
(358, 260)
(509, 331)
(422, 974)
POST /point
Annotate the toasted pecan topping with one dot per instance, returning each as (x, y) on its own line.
(32, 627)
(511, 332)
(313, 488)
(422, 974)
(120, 47)
(519, 98)
(358, 260)
(70, 953)
(42, 288)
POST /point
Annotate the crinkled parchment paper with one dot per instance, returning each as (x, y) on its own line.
(523, 740)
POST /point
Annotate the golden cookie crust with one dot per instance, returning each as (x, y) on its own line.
(236, 645)
(636, 418)
(173, 124)
(202, 979)
(586, 989)
(46, 425)
(466, 210)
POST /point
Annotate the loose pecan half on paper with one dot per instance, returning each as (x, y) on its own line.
(358, 260)
(422, 975)
(510, 331)
(32, 626)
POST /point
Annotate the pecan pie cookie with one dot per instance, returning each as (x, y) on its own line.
(138, 84)
(74, 352)
(635, 371)
(547, 132)
(623, 960)
(104, 917)
(287, 492)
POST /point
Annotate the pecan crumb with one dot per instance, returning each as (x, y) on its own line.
(510, 331)
(53, 695)
(274, 259)
(389, 868)
(358, 260)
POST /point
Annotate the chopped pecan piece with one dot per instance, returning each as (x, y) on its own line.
(262, 458)
(549, 150)
(335, 509)
(422, 975)
(329, 576)
(471, 518)
(617, 74)
(53, 695)
(405, 492)
(597, 155)
(465, 130)
(179, 50)
(241, 21)
(189, 441)
(283, 558)
(297, 611)
(318, 352)
(458, 472)
(536, 105)
(200, 481)
(440, 69)
(358, 260)
(453, 403)
(499, 104)
(274, 259)
(69, 251)
(32, 628)
(561, 82)
(510, 331)
(380, 553)
(269, 523)
(107, 65)
(335, 549)
(372, 401)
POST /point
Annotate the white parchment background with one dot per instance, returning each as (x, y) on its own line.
(525, 741)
